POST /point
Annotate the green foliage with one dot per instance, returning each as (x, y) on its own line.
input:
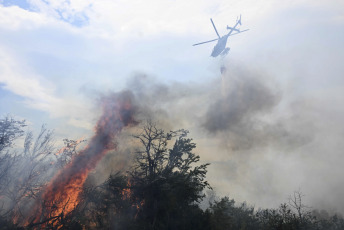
(225, 215)
(165, 179)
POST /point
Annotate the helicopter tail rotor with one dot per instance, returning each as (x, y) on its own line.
(239, 20)
(231, 28)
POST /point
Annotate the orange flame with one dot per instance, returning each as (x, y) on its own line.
(62, 193)
(126, 195)
(77, 142)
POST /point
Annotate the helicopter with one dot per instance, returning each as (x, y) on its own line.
(220, 47)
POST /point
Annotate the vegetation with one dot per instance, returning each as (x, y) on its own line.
(162, 190)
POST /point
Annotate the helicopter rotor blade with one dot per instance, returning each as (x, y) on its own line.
(244, 30)
(239, 32)
(215, 28)
(205, 42)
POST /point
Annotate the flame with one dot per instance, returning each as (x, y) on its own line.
(126, 195)
(62, 193)
(77, 142)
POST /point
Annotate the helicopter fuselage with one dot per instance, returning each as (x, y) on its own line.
(220, 46)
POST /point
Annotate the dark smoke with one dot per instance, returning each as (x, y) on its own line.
(237, 109)
(243, 114)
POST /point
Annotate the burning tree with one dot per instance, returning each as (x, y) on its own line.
(160, 191)
(62, 194)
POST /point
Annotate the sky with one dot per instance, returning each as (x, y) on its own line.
(284, 81)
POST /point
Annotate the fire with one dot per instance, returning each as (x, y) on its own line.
(127, 193)
(75, 144)
(62, 193)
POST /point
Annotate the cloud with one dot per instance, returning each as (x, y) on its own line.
(39, 93)
(113, 19)
(16, 18)
(73, 12)
(18, 79)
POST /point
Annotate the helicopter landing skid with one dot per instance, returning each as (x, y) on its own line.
(225, 51)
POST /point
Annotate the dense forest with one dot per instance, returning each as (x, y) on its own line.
(162, 189)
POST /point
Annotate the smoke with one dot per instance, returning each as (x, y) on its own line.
(262, 141)
(247, 98)
(251, 132)
(246, 114)
(236, 114)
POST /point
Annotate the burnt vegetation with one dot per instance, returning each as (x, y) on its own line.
(162, 189)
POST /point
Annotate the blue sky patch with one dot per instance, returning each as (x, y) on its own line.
(20, 3)
(78, 19)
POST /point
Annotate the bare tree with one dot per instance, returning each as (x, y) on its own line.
(23, 171)
(302, 211)
(31, 171)
(10, 130)
(66, 153)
